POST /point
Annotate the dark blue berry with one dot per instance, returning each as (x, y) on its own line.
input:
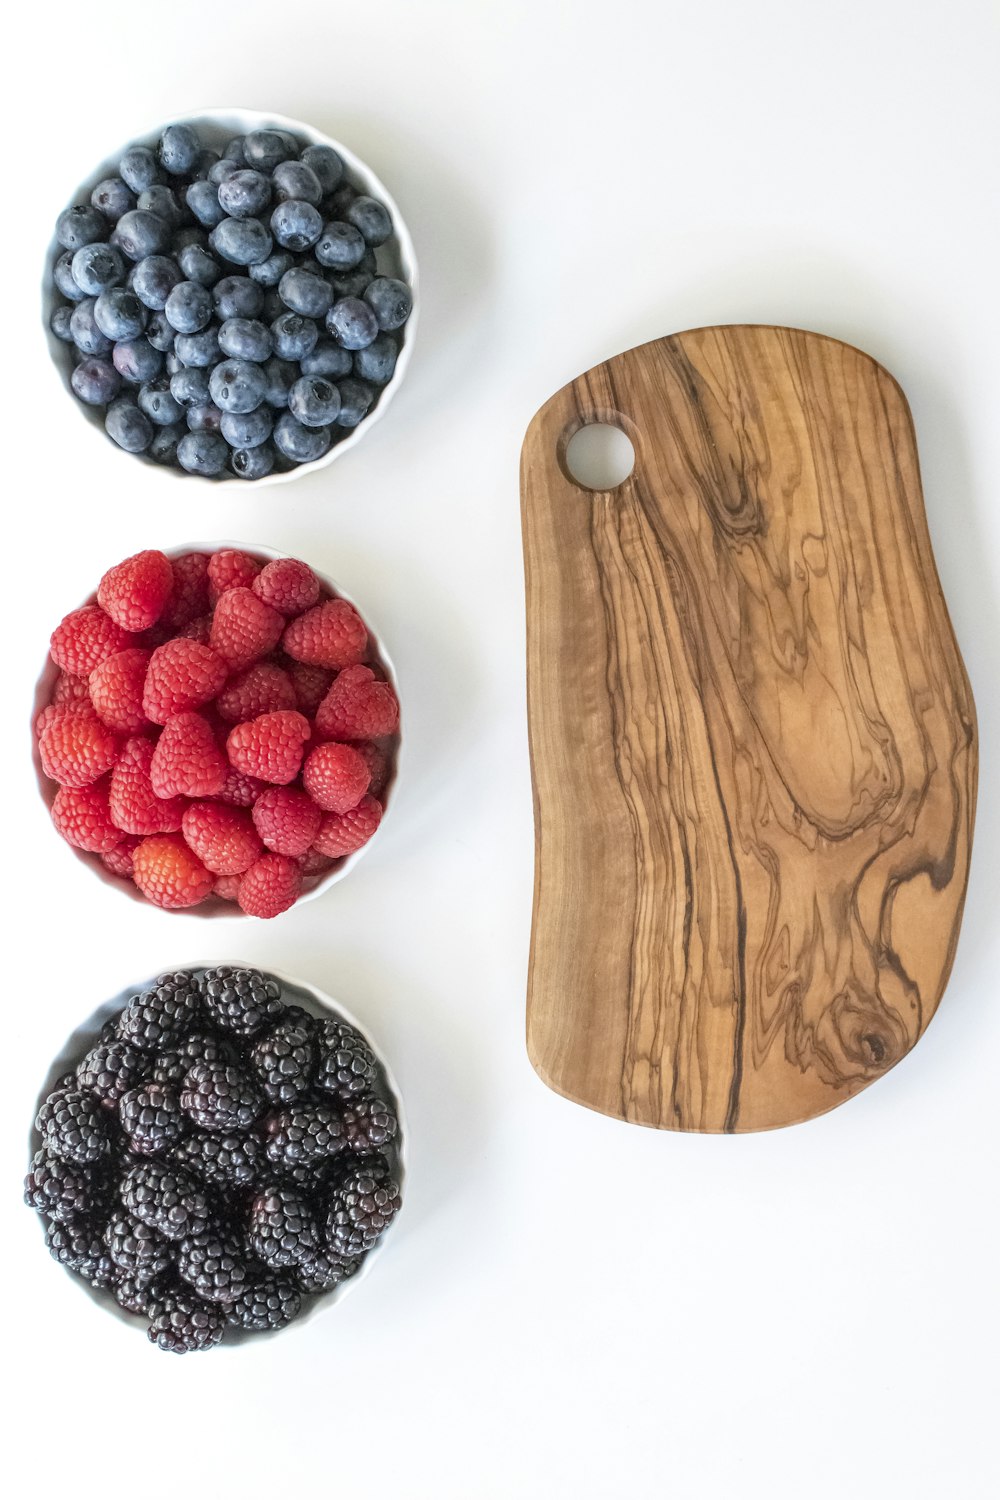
(340, 246)
(281, 375)
(189, 234)
(339, 201)
(247, 429)
(119, 314)
(234, 151)
(352, 323)
(127, 426)
(159, 332)
(80, 225)
(252, 463)
(293, 335)
(302, 291)
(112, 198)
(59, 323)
(172, 361)
(197, 265)
(136, 360)
(163, 202)
(313, 401)
(390, 300)
(296, 225)
(95, 381)
(352, 283)
(237, 297)
(327, 165)
(164, 445)
(189, 307)
(303, 445)
(327, 358)
(223, 170)
(378, 361)
(356, 397)
(296, 179)
(154, 278)
(138, 168)
(178, 149)
(190, 387)
(96, 267)
(245, 242)
(237, 385)
(202, 453)
(273, 305)
(198, 349)
(372, 218)
(159, 404)
(207, 418)
(269, 272)
(245, 338)
(244, 194)
(202, 199)
(87, 337)
(62, 275)
(140, 233)
(264, 149)
(203, 163)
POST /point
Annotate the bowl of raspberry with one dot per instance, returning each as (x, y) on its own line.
(216, 731)
(217, 1152)
(231, 297)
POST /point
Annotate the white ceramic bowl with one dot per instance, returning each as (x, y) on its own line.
(214, 906)
(395, 258)
(298, 992)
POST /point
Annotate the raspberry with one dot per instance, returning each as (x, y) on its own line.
(311, 685)
(70, 689)
(119, 859)
(286, 819)
(377, 762)
(358, 707)
(135, 591)
(222, 837)
(343, 833)
(240, 790)
(135, 807)
(330, 635)
(270, 747)
(85, 638)
(187, 762)
(189, 593)
(336, 777)
(243, 628)
(270, 886)
(312, 862)
(230, 569)
(228, 887)
(261, 689)
(199, 630)
(116, 690)
(287, 585)
(181, 675)
(169, 874)
(81, 816)
(76, 749)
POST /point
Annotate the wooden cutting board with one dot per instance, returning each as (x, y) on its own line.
(753, 742)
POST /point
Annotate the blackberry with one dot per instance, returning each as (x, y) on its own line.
(109, 1070)
(138, 1296)
(78, 1247)
(266, 1303)
(283, 1228)
(167, 1197)
(109, 1031)
(183, 1323)
(372, 1163)
(303, 1134)
(167, 1009)
(361, 1208)
(285, 1061)
(172, 1063)
(61, 1190)
(67, 1081)
(347, 1067)
(136, 1249)
(324, 1271)
(151, 1118)
(72, 1126)
(242, 1001)
(220, 1096)
(226, 1161)
(369, 1124)
(211, 1263)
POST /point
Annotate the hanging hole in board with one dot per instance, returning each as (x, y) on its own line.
(599, 456)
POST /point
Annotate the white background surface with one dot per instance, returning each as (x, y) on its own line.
(571, 1308)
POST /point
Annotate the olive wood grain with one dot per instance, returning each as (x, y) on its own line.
(753, 742)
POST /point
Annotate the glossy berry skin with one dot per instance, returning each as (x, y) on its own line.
(296, 179)
(237, 297)
(95, 381)
(204, 453)
(293, 335)
(178, 149)
(140, 233)
(189, 307)
(119, 314)
(159, 332)
(189, 387)
(198, 350)
(340, 246)
(303, 292)
(138, 168)
(237, 385)
(247, 429)
(269, 272)
(377, 363)
(314, 401)
(198, 265)
(97, 267)
(371, 217)
(112, 198)
(244, 194)
(153, 279)
(202, 199)
(245, 338)
(80, 225)
(352, 323)
(244, 242)
(296, 225)
(136, 360)
(126, 425)
(162, 201)
(264, 149)
(252, 463)
(62, 275)
(390, 300)
(301, 444)
(164, 445)
(205, 418)
(158, 404)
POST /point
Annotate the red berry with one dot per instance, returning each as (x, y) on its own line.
(81, 815)
(85, 638)
(377, 762)
(336, 777)
(168, 873)
(230, 569)
(270, 886)
(189, 593)
(223, 838)
(119, 859)
(343, 833)
(330, 635)
(261, 689)
(187, 762)
(135, 807)
(228, 887)
(286, 819)
(182, 675)
(313, 863)
(116, 690)
(311, 685)
(76, 749)
(358, 707)
(243, 628)
(270, 747)
(135, 591)
(240, 790)
(197, 630)
(287, 585)
(70, 689)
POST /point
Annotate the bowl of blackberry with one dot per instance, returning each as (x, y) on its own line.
(218, 1152)
(231, 296)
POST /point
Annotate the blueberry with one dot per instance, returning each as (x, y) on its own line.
(245, 338)
(245, 242)
(127, 425)
(326, 164)
(159, 404)
(119, 314)
(164, 445)
(203, 163)
(60, 324)
(352, 283)
(247, 429)
(154, 278)
(281, 375)
(237, 385)
(96, 267)
(273, 305)
(197, 265)
(237, 297)
(172, 361)
(327, 358)
(356, 397)
(202, 453)
(340, 246)
(269, 272)
(264, 149)
(301, 444)
(234, 151)
(296, 225)
(293, 335)
(163, 202)
(140, 233)
(138, 168)
(245, 194)
(352, 323)
(313, 401)
(296, 179)
(136, 360)
(87, 337)
(223, 170)
(62, 275)
(202, 199)
(390, 301)
(252, 463)
(159, 332)
(372, 218)
(112, 198)
(207, 418)
(302, 291)
(339, 201)
(189, 234)
(95, 381)
(190, 387)
(377, 362)
(189, 307)
(198, 350)
(80, 225)
(178, 149)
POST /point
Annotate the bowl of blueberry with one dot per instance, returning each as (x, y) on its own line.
(217, 1152)
(231, 296)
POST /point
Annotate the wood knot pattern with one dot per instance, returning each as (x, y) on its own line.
(752, 738)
